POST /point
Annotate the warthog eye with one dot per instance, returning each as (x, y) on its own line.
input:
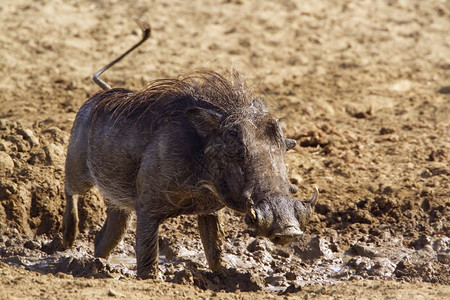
(231, 136)
(233, 146)
(232, 133)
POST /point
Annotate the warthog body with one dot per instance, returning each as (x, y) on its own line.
(191, 145)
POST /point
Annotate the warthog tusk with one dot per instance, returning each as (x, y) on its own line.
(314, 198)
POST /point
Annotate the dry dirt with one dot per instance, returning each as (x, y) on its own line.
(363, 86)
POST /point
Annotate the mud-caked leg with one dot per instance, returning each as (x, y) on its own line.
(77, 181)
(112, 232)
(211, 234)
(147, 249)
(70, 221)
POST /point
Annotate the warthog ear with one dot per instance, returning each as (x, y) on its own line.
(205, 121)
(290, 143)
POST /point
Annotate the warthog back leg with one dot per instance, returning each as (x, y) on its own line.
(70, 217)
(211, 234)
(112, 232)
(70, 221)
(147, 248)
(77, 181)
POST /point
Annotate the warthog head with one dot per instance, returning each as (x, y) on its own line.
(244, 154)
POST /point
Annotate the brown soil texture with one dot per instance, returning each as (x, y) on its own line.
(363, 86)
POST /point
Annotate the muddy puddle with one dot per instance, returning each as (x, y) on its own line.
(252, 263)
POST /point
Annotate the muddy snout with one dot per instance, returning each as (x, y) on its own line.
(280, 229)
(280, 218)
(283, 237)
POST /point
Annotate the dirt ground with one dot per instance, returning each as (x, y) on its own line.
(363, 86)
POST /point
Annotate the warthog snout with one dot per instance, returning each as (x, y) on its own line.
(285, 236)
(280, 218)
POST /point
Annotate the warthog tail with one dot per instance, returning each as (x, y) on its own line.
(146, 30)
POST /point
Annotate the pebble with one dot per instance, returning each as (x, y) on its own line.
(3, 146)
(54, 153)
(113, 293)
(316, 248)
(293, 288)
(29, 136)
(6, 162)
(32, 245)
(383, 267)
(365, 250)
(275, 280)
(260, 245)
(441, 244)
(290, 276)
(444, 258)
(421, 242)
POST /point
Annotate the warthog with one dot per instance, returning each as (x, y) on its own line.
(190, 145)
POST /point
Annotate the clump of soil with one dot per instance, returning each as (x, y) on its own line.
(31, 185)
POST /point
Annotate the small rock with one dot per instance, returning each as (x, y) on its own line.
(290, 276)
(4, 124)
(62, 275)
(426, 173)
(275, 280)
(54, 154)
(113, 293)
(444, 258)
(421, 242)
(401, 86)
(358, 112)
(260, 245)
(313, 249)
(53, 246)
(444, 90)
(382, 267)
(29, 136)
(309, 110)
(8, 243)
(438, 155)
(282, 253)
(293, 288)
(365, 250)
(295, 178)
(356, 277)
(385, 130)
(37, 157)
(387, 190)
(404, 268)
(361, 264)
(6, 162)
(183, 277)
(441, 244)
(3, 146)
(32, 245)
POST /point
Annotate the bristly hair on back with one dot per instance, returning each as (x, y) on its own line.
(163, 96)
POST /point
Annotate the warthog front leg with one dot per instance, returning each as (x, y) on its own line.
(147, 248)
(112, 232)
(211, 233)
